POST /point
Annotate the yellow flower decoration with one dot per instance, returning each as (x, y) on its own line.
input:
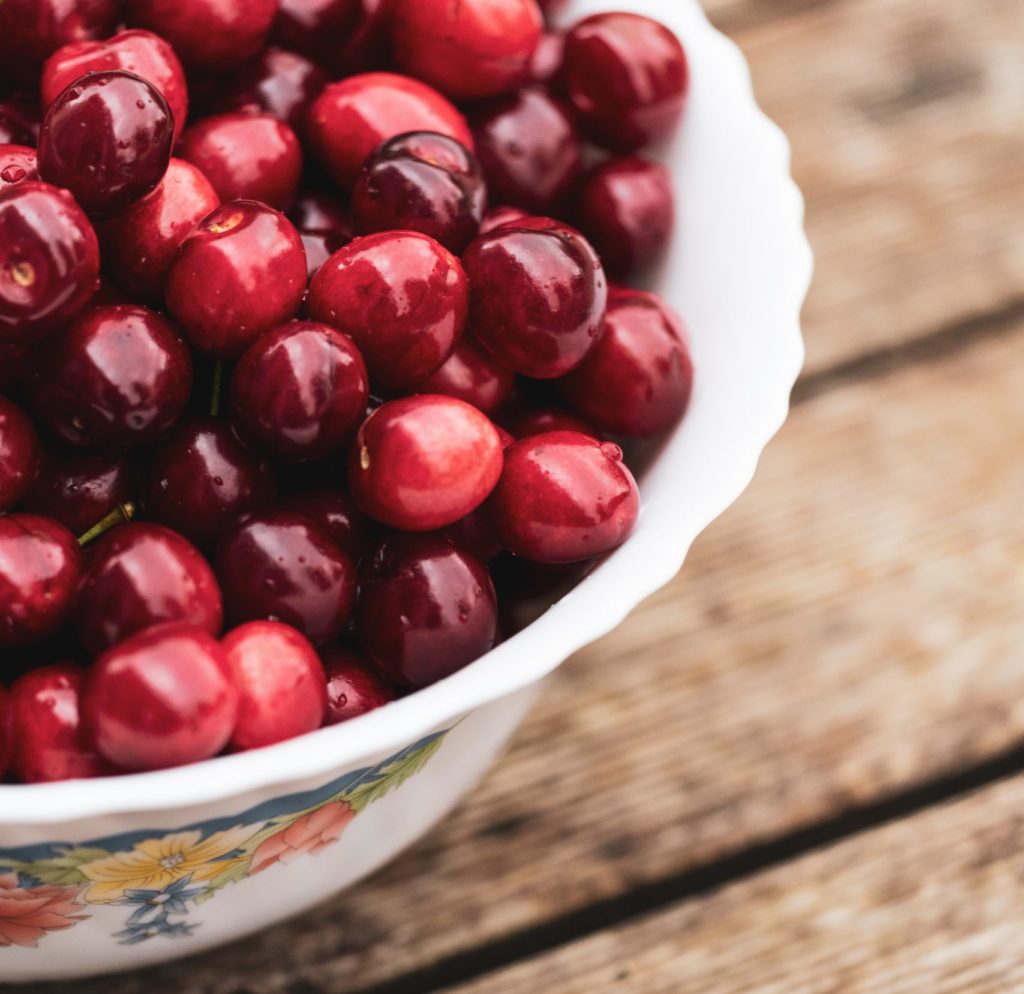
(156, 863)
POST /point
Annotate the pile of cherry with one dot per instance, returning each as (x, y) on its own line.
(313, 379)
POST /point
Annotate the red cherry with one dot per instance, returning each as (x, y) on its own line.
(281, 685)
(426, 609)
(19, 455)
(424, 462)
(627, 78)
(18, 163)
(475, 533)
(496, 217)
(468, 50)
(31, 30)
(323, 226)
(538, 296)
(524, 420)
(638, 378)
(472, 375)
(140, 575)
(337, 515)
(402, 298)
(353, 688)
(19, 123)
(564, 497)
(347, 36)
(39, 567)
(239, 274)
(547, 58)
(162, 698)
(351, 118)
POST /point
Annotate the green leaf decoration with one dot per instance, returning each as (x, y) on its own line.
(235, 871)
(63, 870)
(385, 779)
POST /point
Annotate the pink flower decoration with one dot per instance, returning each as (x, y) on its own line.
(27, 915)
(306, 835)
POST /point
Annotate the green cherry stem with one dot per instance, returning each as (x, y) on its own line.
(119, 516)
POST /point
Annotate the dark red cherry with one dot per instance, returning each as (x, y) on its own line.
(139, 575)
(425, 182)
(319, 246)
(282, 689)
(337, 515)
(351, 118)
(19, 123)
(246, 157)
(468, 50)
(49, 261)
(119, 376)
(353, 688)
(39, 566)
(32, 30)
(19, 455)
(279, 566)
(638, 378)
(626, 76)
(300, 392)
(346, 36)
(476, 534)
(17, 164)
(323, 225)
(472, 375)
(424, 462)
(239, 274)
(564, 497)
(538, 296)
(530, 151)
(524, 419)
(162, 698)
(402, 298)
(426, 609)
(498, 216)
(546, 63)
(50, 740)
(107, 138)
(201, 478)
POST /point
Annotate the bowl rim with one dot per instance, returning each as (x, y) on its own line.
(655, 551)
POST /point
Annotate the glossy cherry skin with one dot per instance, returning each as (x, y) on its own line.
(19, 455)
(564, 497)
(282, 689)
(300, 392)
(425, 182)
(107, 138)
(236, 276)
(426, 609)
(139, 575)
(337, 515)
(346, 36)
(140, 52)
(538, 296)
(162, 698)
(50, 741)
(351, 118)
(31, 30)
(496, 217)
(469, 50)
(49, 261)
(627, 77)
(119, 376)
(140, 243)
(324, 227)
(18, 163)
(201, 478)
(472, 374)
(526, 420)
(638, 379)
(530, 151)
(279, 566)
(246, 157)
(401, 297)
(40, 564)
(353, 688)
(79, 489)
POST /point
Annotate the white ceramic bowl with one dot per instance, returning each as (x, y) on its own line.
(113, 875)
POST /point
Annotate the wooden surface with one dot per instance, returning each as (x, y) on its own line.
(779, 774)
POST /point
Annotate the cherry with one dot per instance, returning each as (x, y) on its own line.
(239, 274)
(139, 52)
(530, 151)
(426, 609)
(337, 515)
(162, 698)
(140, 243)
(496, 217)
(347, 36)
(39, 566)
(564, 497)
(19, 122)
(638, 378)
(475, 533)
(107, 138)
(49, 261)
(139, 575)
(403, 299)
(50, 741)
(282, 689)
(353, 688)
(201, 478)
(278, 565)
(547, 58)
(538, 296)
(524, 420)
(19, 455)
(425, 182)
(31, 30)
(246, 157)
(627, 77)
(323, 226)
(351, 118)
(472, 375)
(300, 392)
(17, 164)
(119, 376)
(468, 50)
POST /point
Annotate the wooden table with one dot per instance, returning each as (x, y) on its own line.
(800, 768)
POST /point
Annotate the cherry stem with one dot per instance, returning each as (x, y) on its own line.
(119, 516)
(218, 386)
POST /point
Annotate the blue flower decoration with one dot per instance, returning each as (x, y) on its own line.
(153, 910)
